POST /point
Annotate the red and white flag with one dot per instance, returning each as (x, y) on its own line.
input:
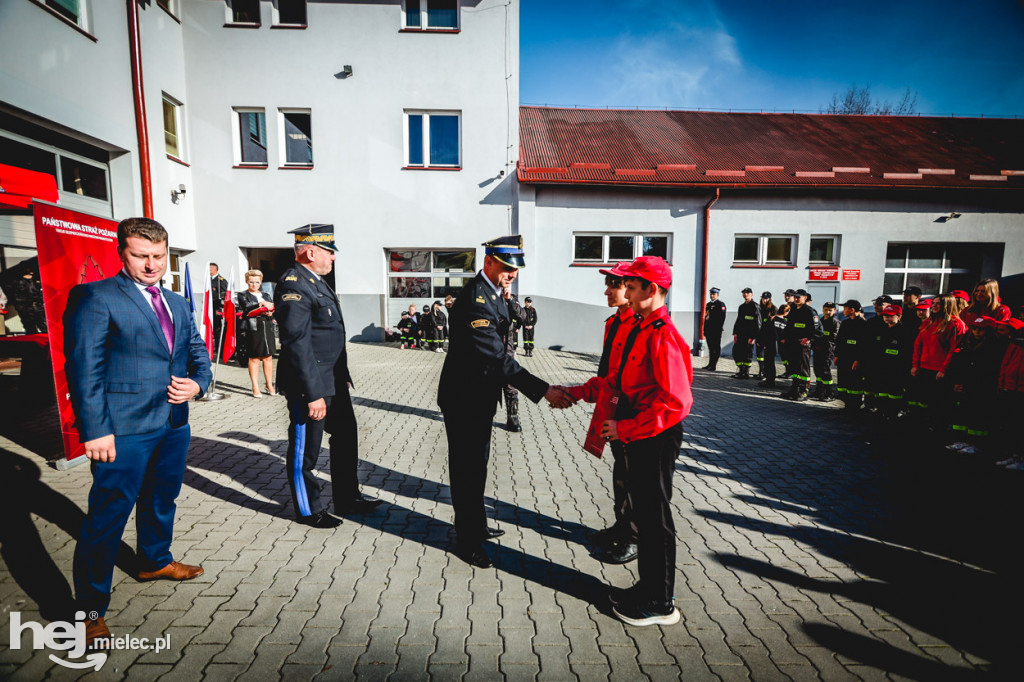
(229, 318)
(206, 324)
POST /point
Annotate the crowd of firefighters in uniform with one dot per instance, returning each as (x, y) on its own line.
(953, 362)
(428, 330)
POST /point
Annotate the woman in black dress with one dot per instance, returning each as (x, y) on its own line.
(258, 317)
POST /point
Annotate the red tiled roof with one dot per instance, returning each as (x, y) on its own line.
(704, 149)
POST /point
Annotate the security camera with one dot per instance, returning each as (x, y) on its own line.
(181, 189)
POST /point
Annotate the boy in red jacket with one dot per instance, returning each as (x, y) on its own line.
(654, 378)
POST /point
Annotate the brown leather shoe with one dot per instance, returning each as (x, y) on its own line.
(96, 629)
(172, 571)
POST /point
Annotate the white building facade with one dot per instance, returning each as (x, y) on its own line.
(396, 122)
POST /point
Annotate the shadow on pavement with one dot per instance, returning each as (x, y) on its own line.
(22, 494)
(937, 534)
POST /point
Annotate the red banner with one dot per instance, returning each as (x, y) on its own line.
(853, 275)
(823, 274)
(73, 248)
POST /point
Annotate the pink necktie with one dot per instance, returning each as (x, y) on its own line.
(162, 315)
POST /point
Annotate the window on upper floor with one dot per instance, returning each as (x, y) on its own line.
(83, 178)
(74, 11)
(243, 12)
(289, 12)
(250, 137)
(173, 141)
(74, 172)
(295, 129)
(426, 15)
(433, 139)
(597, 247)
(764, 249)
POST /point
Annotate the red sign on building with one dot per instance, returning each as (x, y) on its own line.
(853, 275)
(823, 274)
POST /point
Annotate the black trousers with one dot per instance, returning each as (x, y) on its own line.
(714, 339)
(766, 362)
(743, 351)
(823, 358)
(511, 401)
(469, 451)
(620, 495)
(650, 465)
(305, 437)
(528, 338)
(800, 361)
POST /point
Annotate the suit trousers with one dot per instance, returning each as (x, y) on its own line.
(650, 465)
(146, 473)
(344, 447)
(468, 428)
(714, 339)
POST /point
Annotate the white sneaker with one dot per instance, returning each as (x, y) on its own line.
(969, 450)
(438, 351)
(956, 447)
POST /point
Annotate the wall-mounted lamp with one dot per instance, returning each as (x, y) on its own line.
(946, 218)
(345, 72)
(178, 194)
(953, 216)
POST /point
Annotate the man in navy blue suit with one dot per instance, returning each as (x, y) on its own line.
(133, 359)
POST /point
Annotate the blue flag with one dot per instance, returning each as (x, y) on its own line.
(189, 296)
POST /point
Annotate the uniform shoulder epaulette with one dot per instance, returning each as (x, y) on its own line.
(658, 324)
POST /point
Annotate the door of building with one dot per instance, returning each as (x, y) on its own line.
(822, 292)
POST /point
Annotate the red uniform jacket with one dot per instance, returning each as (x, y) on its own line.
(933, 350)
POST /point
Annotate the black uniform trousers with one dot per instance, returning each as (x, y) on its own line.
(766, 361)
(823, 359)
(624, 523)
(469, 450)
(511, 400)
(714, 339)
(851, 383)
(305, 437)
(650, 464)
(528, 338)
(743, 351)
(800, 361)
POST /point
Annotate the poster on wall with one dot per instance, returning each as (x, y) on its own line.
(74, 248)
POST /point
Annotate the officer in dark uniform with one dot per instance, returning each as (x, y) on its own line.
(801, 323)
(873, 333)
(475, 369)
(312, 373)
(824, 347)
(25, 292)
(744, 331)
(850, 346)
(765, 336)
(910, 321)
(529, 324)
(714, 324)
(218, 291)
(789, 298)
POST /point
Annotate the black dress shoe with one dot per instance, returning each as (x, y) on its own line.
(621, 553)
(320, 520)
(513, 424)
(492, 532)
(357, 505)
(475, 556)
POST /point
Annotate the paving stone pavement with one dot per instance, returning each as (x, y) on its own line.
(810, 547)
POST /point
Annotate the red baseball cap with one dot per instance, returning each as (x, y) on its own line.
(982, 321)
(924, 305)
(961, 294)
(651, 268)
(617, 270)
(892, 310)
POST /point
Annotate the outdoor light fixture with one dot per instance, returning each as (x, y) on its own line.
(345, 72)
(177, 194)
(946, 218)
(952, 216)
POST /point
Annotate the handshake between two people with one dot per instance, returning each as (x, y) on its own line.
(559, 398)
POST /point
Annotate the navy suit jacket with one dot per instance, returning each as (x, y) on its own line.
(117, 361)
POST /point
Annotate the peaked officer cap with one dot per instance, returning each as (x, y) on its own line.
(507, 250)
(315, 233)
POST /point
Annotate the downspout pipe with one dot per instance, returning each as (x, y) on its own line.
(704, 263)
(138, 94)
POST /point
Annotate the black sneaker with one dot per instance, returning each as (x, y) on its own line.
(647, 613)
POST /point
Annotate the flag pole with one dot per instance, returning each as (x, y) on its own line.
(212, 394)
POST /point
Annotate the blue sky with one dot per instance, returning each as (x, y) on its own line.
(963, 57)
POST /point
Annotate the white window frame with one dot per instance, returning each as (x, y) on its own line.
(179, 124)
(943, 272)
(81, 22)
(229, 17)
(282, 136)
(638, 245)
(836, 241)
(762, 249)
(425, 13)
(275, 17)
(175, 256)
(171, 7)
(236, 134)
(426, 114)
